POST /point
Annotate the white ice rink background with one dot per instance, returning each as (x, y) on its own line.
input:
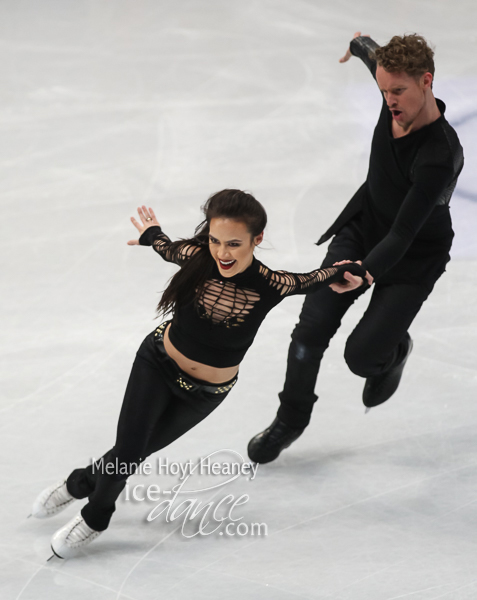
(105, 105)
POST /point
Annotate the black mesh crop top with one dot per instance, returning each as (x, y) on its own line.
(218, 329)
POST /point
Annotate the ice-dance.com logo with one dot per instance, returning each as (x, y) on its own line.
(217, 513)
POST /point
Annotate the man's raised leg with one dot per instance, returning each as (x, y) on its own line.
(380, 344)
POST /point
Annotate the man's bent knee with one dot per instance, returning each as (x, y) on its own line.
(360, 362)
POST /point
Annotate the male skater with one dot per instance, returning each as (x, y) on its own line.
(397, 223)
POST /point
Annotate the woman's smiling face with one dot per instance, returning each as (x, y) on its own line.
(231, 245)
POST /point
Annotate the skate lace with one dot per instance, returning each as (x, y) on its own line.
(60, 496)
(80, 533)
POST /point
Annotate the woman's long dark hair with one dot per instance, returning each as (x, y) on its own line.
(187, 284)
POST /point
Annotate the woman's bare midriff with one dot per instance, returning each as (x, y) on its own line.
(195, 369)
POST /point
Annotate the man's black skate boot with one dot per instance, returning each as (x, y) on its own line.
(380, 388)
(267, 445)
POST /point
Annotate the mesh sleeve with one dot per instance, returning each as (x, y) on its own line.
(364, 47)
(174, 252)
(290, 284)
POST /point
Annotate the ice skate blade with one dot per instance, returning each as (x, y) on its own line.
(367, 409)
(54, 554)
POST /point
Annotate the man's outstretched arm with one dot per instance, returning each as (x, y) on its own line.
(363, 47)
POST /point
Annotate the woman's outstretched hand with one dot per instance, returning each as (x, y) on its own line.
(353, 281)
(148, 219)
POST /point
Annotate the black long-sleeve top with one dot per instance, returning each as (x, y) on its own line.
(404, 203)
(218, 327)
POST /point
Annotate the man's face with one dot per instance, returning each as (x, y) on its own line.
(404, 95)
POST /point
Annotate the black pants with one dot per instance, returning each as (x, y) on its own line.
(372, 348)
(156, 411)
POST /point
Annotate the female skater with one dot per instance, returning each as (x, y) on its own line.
(186, 367)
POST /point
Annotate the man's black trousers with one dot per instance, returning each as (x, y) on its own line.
(371, 349)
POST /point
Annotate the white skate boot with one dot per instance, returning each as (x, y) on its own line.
(73, 537)
(52, 500)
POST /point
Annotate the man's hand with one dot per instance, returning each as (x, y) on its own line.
(148, 219)
(348, 54)
(353, 281)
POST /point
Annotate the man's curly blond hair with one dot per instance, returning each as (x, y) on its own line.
(408, 53)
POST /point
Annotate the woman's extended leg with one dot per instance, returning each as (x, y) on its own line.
(155, 412)
(147, 396)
